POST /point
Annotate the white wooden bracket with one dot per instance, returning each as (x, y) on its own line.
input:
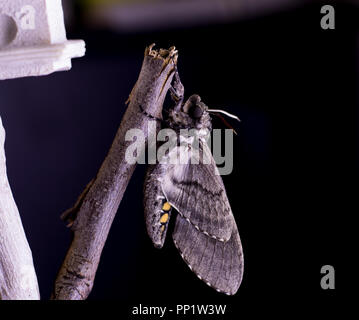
(33, 39)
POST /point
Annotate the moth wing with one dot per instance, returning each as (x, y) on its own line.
(219, 264)
(197, 192)
(153, 202)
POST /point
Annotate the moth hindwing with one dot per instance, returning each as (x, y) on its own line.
(205, 232)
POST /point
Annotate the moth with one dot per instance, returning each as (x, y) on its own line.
(205, 232)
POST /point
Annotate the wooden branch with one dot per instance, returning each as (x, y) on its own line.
(96, 208)
(17, 274)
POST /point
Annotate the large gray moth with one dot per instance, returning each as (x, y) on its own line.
(205, 232)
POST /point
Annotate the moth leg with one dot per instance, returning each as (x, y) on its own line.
(177, 91)
(150, 115)
(69, 216)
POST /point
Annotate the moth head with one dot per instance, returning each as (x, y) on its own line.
(192, 115)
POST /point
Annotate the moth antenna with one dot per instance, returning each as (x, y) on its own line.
(177, 91)
(224, 112)
(225, 123)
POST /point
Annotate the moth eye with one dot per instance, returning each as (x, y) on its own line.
(195, 112)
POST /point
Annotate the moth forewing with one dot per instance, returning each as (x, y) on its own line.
(195, 190)
(218, 264)
(206, 233)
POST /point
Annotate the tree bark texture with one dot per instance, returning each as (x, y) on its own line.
(96, 208)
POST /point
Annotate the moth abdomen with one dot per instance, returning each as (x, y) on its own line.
(157, 209)
(159, 224)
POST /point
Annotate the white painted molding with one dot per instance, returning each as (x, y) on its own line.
(39, 60)
(17, 274)
(33, 39)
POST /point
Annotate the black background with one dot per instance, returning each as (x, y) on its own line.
(294, 182)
